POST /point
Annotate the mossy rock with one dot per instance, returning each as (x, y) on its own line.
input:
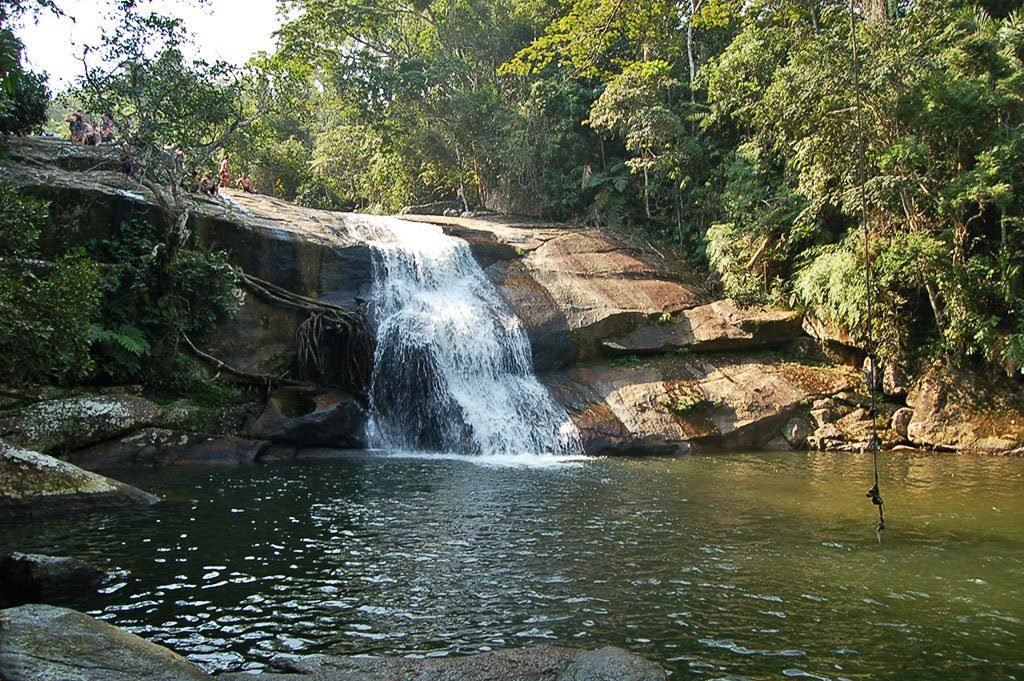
(36, 484)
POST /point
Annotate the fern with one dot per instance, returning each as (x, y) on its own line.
(127, 338)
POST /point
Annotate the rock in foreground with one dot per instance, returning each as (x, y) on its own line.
(36, 484)
(526, 664)
(44, 643)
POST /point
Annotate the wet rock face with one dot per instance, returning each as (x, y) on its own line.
(46, 642)
(573, 288)
(32, 483)
(35, 578)
(71, 423)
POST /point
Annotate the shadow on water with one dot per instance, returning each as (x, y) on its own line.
(756, 565)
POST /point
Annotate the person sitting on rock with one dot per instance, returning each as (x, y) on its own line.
(76, 125)
(127, 164)
(107, 129)
(245, 184)
(91, 135)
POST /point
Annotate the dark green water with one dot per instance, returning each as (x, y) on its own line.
(753, 566)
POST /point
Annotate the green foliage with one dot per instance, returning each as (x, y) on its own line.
(627, 361)
(23, 94)
(45, 312)
(141, 74)
(21, 222)
(688, 401)
(139, 332)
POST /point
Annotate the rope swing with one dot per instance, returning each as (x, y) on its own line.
(876, 443)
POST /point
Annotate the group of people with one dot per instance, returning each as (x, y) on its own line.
(92, 133)
(211, 187)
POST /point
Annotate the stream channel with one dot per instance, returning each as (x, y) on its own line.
(720, 566)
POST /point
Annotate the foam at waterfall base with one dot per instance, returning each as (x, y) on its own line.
(535, 461)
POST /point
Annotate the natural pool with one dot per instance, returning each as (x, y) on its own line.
(744, 565)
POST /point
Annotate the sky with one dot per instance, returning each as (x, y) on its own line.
(231, 30)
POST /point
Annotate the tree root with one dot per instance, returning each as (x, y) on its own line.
(243, 376)
(285, 298)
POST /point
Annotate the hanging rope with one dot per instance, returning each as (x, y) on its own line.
(876, 443)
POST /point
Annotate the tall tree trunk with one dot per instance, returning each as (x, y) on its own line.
(689, 47)
(876, 10)
(647, 193)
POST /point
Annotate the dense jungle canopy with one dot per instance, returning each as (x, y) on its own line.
(728, 132)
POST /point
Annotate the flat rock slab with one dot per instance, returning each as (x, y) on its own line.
(46, 643)
(74, 422)
(715, 327)
(32, 483)
(525, 664)
(711, 401)
(159, 446)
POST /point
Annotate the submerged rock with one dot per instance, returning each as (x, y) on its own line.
(74, 422)
(611, 664)
(32, 483)
(34, 578)
(45, 642)
(524, 664)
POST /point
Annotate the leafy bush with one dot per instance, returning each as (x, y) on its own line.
(23, 94)
(144, 313)
(45, 312)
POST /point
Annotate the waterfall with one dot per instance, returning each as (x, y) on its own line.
(452, 370)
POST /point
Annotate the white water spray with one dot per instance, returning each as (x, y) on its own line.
(452, 369)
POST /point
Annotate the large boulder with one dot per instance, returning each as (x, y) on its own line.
(32, 577)
(75, 422)
(317, 418)
(707, 401)
(46, 643)
(957, 410)
(523, 664)
(36, 484)
(715, 327)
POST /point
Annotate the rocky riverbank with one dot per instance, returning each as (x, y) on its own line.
(645, 359)
(46, 642)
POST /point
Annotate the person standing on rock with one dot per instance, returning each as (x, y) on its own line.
(460, 200)
(225, 171)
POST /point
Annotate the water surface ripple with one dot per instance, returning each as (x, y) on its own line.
(750, 566)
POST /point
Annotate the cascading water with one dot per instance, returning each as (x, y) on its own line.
(451, 370)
